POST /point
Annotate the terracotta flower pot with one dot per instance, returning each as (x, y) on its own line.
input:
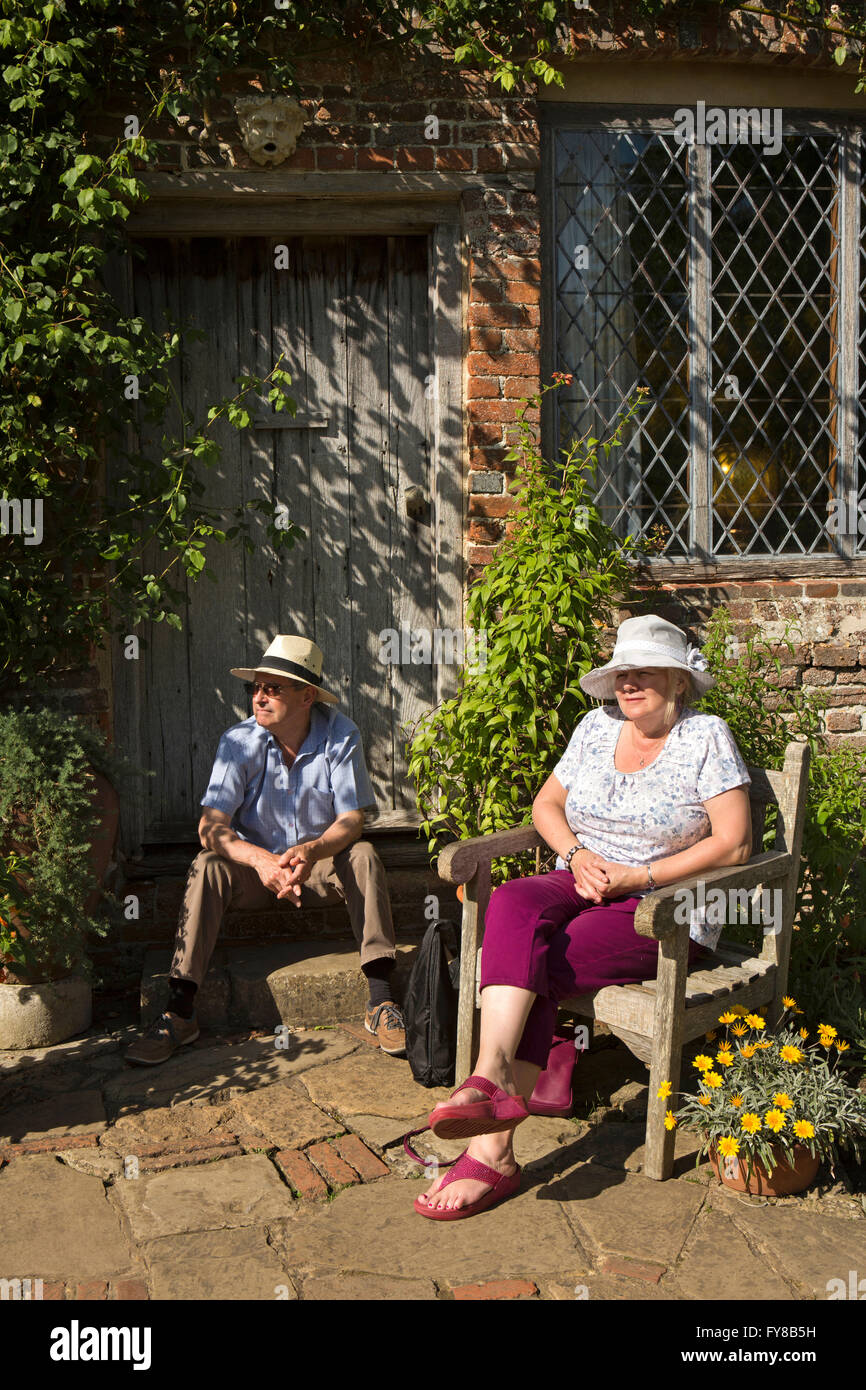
(784, 1180)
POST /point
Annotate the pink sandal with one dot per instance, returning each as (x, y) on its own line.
(501, 1111)
(468, 1167)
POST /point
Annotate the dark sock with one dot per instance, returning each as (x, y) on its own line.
(378, 973)
(181, 997)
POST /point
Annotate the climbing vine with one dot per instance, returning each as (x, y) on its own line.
(81, 556)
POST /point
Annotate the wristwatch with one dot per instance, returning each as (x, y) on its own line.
(571, 853)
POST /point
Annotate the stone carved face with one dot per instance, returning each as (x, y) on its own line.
(269, 127)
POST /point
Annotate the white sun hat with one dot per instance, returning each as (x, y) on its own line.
(648, 641)
(291, 656)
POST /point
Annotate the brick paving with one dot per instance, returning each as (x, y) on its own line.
(235, 1166)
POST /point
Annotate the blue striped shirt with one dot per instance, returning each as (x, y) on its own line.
(274, 806)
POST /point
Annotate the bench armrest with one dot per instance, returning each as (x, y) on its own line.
(655, 914)
(458, 863)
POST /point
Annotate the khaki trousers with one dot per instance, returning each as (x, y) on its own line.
(355, 876)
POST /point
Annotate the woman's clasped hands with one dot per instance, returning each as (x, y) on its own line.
(598, 879)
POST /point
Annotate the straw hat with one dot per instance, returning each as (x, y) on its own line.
(648, 642)
(295, 657)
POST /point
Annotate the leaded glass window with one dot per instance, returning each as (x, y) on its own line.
(721, 277)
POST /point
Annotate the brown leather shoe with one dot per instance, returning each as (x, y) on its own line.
(386, 1023)
(164, 1036)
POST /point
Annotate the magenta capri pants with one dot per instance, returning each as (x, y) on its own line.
(541, 935)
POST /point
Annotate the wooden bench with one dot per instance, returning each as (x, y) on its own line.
(656, 1018)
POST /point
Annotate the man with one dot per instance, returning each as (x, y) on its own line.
(282, 818)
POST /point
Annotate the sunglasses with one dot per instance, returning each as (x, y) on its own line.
(253, 687)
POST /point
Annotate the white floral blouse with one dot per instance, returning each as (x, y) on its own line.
(638, 817)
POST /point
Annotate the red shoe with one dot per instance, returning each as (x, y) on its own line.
(467, 1167)
(501, 1111)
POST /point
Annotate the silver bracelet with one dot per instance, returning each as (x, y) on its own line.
(650, 880)
(571, 853)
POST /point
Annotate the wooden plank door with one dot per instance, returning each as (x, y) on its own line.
(350, 316)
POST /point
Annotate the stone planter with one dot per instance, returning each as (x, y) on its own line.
(38, 1015)
(782, 1182)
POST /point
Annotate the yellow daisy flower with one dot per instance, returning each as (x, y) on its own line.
(739, 1030)
(736, 1101)
(738, 1010)
(748, 1050)
(727, 1017)
(703, 1063)
(804, 1130)
(725, 1059)
(841, 1045)
(670, 1120)
(755, 1021)
(664, 1090)
(712, 1079)
(789, 1002)
(765, 1042)
(703, 1100)
(791, 1054)
(725, 1047)
(804, 1033)
(711, 1036)
(750, 1123)
(826, 1028)
(783, 1101)
(775, 1120)
(728, 1147)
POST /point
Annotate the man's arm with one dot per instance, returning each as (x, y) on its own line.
(215, 833)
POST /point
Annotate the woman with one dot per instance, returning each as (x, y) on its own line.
(648, 792)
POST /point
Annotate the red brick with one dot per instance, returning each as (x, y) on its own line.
(818, 677)
(483, 386)
(415, 157)
(458, 158)
(485, 434)
(93, 1290)
(633, 1269)
(521, 386)
(366, 1164)
(507, 411)
(485, 340)
(481, 554)
(332, 1168)
(840, 721)
(830, 654)
(502, 364)
(127, 1290)
(522, 339)
(55, 1292)
(330, 158)
(185, 1158)
(48, 1146)
(485, 532)
(491, 504)
(500, 315)
(486, 291)
(822, 590)
(518, 292)
(495, 1288)
(490, 160)
(522, 268)
(303, 158)
(300, 1174)
(376, 159)
(849, 589)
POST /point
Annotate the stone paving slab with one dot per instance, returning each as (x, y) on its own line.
(168, 1125)
(201, 1071)
(382, 1134)
(375, 1230)
(84, 1049)
(80, 1112)
(718, 1264)
(229, 1192)
(57, 1223)
(807, 1248)
(371, 1083)
(626, 1214)
(601, 1288)
(284, 1117)
(234, 1264)
(367, 1288)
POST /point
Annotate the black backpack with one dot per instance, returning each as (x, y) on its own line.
(430, 1007)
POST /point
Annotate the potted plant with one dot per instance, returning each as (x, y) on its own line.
(58, 821)
(771, 1107)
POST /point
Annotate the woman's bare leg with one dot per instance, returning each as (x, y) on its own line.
(504, 1011)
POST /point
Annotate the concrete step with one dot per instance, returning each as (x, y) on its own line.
(303, 983)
